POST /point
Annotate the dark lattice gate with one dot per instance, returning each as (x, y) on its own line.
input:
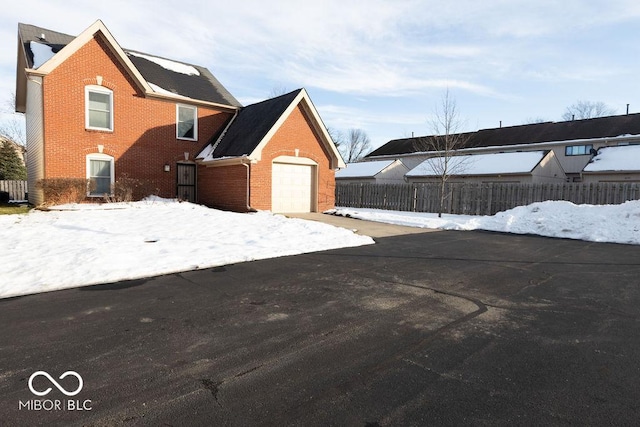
(187, 181)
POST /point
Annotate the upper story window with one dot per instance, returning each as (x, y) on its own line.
(186, 122)
(98, 108)
(577, 150)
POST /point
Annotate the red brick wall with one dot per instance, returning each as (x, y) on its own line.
(223, 187)
(144, 133)
(295, 133)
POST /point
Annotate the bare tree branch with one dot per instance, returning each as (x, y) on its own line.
(444, 143)
(12, 128)
(278, 90)
(336, 136)
(355, 146)
(587, 110)
(534, 120)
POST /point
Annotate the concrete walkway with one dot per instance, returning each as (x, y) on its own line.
(366, 228)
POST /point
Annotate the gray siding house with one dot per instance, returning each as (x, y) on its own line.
(527, 167)
(573, 143)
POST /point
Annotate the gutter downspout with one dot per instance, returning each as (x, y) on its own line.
(247, 205)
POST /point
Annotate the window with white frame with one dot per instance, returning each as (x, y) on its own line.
(187, 122)
(98, 108)
(100, 173)
(577, 150)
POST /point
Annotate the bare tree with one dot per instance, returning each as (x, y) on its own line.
(443, 144)
(12, 126)
(336, 136)
(587, 110)
(278, 90)
(355, 146)
(534, 120)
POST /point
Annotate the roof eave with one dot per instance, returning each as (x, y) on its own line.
(620, 171)
(21, 77)
(187, 100)
(581, 141)
(226, 161)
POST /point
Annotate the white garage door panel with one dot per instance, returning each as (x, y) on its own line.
(292, 188)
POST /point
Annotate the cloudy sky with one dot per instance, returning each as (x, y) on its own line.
(381, 66)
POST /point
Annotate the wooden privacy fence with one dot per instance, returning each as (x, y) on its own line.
(17, 189)
(478, 199)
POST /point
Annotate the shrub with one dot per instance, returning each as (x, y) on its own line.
(127, 189)
(4, 196)
(58, 191)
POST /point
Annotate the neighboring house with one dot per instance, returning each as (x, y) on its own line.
(614, 164)
(574, 142)
(376, 172)
(527, 167)
(95, 110)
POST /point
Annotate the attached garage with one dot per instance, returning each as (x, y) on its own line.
(293, 187)
(275, 155)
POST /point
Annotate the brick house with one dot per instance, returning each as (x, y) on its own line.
(95, 110)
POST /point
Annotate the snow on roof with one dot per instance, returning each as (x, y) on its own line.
(620, 158)
(167, 64)
(363, 169)
(41, 53)
(158, 89)
(481, 164)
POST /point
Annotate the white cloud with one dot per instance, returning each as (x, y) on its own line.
(496, 54)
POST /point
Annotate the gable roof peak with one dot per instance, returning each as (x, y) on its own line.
(198, 87)
(254, 125)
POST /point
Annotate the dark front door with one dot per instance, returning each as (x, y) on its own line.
(187, 181)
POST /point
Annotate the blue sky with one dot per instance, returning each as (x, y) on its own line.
(381, 66)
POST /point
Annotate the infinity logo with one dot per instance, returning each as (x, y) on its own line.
(55, 383)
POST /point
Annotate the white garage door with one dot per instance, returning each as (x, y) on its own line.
(292, 188)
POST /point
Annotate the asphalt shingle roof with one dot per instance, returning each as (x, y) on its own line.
(202, 87)
(602, 127)
(251, 125)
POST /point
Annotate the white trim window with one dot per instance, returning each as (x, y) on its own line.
(100, 173)
(577, 150)
(186, 122)
(98, 108)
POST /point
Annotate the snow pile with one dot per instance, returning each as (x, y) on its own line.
(158, 89)
(87, 244)
(602, 223)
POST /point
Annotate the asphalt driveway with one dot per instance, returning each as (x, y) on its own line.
(446, 328)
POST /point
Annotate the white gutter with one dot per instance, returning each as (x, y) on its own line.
(583, 141)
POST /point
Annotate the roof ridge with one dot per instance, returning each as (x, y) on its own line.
(203, 87)
(279, 97)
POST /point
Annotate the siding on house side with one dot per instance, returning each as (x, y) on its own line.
(35, 139)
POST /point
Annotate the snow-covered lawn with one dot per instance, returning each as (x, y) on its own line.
(90, 244)
(608, 223)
